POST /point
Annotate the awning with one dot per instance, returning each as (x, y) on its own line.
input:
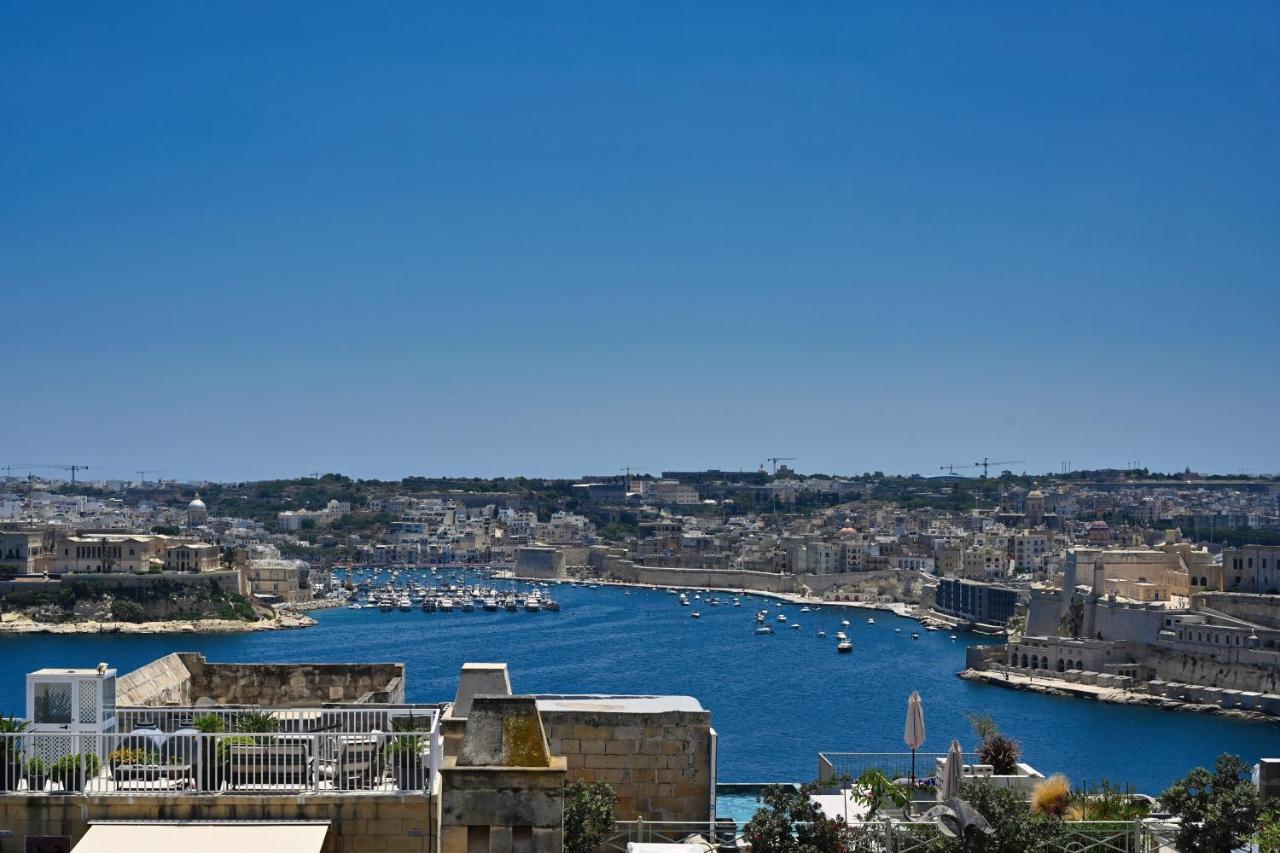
(203, 836)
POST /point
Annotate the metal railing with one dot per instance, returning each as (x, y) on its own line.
(667, 832)
(188, 761)
(833, 767)
(902, 836)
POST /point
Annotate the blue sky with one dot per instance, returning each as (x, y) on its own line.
(256, 240)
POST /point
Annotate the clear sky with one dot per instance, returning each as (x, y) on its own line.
(261, 239)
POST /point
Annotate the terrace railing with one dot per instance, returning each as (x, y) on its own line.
(833, 767)
(158, 762)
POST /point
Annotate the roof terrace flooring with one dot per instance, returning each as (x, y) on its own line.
(343, 717)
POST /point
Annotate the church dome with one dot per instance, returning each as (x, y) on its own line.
(196, 504)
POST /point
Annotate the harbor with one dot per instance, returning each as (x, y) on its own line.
(778, 699)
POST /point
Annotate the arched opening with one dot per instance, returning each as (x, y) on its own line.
(1062, 667)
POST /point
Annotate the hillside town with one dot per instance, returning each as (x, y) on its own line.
(1109, 580)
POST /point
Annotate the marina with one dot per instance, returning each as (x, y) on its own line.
(778, 697)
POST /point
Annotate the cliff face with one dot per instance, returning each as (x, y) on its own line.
(134, 600)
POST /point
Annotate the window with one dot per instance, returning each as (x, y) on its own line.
(477, 839)
(522, 839)
(52, 703)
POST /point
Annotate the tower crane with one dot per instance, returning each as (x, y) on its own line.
(774, 460)
(56, 466)
(985, 462)
(142, 475)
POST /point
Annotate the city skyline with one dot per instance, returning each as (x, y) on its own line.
(244, 243)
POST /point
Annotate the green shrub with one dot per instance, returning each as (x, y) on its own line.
(1218, 809)
(588, 815)
(256, 722)
(72, 768)
(209, 724)
(123, 610)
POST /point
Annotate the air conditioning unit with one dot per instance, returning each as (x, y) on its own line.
(1266, 775)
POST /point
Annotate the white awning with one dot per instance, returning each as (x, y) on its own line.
(203, 837)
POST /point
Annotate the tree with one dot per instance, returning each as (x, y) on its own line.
(1218, 809)
(1268, 835)
(789, 822)
(1016, 828)
(588, 815)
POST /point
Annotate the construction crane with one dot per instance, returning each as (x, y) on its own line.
(627, 469)
(952, 466)
(774, 460)
(57, 466)
(142, 475)
(986, 462)
(9, 469)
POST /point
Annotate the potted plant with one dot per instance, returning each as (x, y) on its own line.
(11, 751)
(126, 763)
(37, 773)
(72, 770)
(212, 761)
(404, 754)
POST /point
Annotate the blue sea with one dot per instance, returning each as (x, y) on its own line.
(776, 701)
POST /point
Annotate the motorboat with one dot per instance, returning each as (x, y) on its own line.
(490, 604)
(804, 609)
(844, 647)
(737, 603)
(782, 617)
(840, 635)
(764, 629)
(510, 605)
(871, 620)
(468, 606)
(446, 605)
(551, 605)
(696, 615)
(428, 604)
(822, 635)
(844, 623)
(915, 635)
(532, 604)
(795, 626)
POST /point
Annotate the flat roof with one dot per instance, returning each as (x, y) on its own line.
(204, 836)
(618, 704)
(51, 671)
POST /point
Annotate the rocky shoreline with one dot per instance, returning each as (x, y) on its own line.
(1055, 687)
(18, 624)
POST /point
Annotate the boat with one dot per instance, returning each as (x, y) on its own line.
(871, 620)
(510, 605)
(446, 605)
(737, 603)
(844, 623)
(915, 635)
(795, 625)
(782, 617)
(551, 605)
(840, 635)
(844, 647)
(804, 609)
(684, 600)
(696, 615)
(953, 636)
(532, 604)
(428, 604)
(764, 629)
(386, 605)
(468, 606)
(822, 635)
(405, 604)
(490, 604)
(932, 628)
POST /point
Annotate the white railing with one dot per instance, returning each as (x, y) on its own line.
(157, 762)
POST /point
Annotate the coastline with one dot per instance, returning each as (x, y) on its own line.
(898, 608)
(1056, 687)
(191, 626)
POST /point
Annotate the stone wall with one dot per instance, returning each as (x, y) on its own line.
(629, 572)
(1259, 609)
(658, 763)
(185, 677)
(363, 823)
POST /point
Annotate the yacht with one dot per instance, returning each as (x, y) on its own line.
(684, 600)
(844, 647)
(532, 604)
(822, 635)
(510, 605)
(763, 629)
(871, 620)
(490, 604)
(551, 605)
(468, 606)
(446, 605)
(405, 604)
(844, 623)
(736, 602)
(696, 615)
(428, 604)
(804, 609)
(782, 617)
(795, 626)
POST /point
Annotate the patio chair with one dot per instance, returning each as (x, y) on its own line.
(270, 766)
(356, 763)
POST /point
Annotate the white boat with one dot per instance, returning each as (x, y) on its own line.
(844, 623)
(953, 636)
(468, 606)
(764, 629)
(532, 605)
(405, 604)
(840, 635)
(490, 604)
(822, 635)
(737, 603)
(795, 625)
(871, 620)
(446, 605)
(782, 617)
(804, 609)
(844, 647)
(696, 615)
(915, 635)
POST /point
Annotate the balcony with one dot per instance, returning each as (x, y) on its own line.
(230, 750)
